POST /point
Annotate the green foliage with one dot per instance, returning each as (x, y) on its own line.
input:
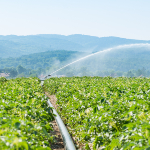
(2, 79)
(21, 69)
(84, 71)
(37, 60)
(111, 113)
(24, 115)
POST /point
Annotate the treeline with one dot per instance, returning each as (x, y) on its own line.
(131, 73)
(20, 71)
(84, 71)
(38, 60)
(12, 72)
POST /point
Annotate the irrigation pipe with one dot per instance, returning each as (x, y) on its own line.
(68, 143)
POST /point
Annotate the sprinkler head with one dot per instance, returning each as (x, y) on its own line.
(47, 76)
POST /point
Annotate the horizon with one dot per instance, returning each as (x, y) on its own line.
(74, 34)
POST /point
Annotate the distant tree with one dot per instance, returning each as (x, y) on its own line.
(130, 74)
(139, 72)
(13, 73)
(21, 69)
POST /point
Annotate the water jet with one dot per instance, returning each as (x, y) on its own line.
(101, 52)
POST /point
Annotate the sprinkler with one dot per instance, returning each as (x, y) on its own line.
(47, 76)
(105, 50)
(42, 80)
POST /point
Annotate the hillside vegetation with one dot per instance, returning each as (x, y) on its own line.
(15, 46)
(39, 60)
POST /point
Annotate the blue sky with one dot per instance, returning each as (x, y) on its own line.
(121, 18)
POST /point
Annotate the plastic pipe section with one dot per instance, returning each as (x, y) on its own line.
(68, 143)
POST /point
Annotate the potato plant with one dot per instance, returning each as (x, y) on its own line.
(24, 115)
(110, 113)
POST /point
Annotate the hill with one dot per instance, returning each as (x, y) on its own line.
(39, 60)
(15, 46)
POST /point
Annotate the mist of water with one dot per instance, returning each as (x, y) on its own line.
(106, 50)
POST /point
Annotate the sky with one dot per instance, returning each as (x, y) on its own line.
(101, 18)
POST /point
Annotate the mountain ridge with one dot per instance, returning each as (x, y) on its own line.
(16, 46)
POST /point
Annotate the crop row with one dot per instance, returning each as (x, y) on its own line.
(24, 115)
(107, 113)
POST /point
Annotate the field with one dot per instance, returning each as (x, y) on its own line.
(107, 113)
(24, 115)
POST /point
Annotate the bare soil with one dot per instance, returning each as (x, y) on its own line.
(58, 141)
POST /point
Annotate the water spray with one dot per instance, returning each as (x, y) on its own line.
(106, 50)
(66, 137)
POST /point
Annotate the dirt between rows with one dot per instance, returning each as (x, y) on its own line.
(58, 141)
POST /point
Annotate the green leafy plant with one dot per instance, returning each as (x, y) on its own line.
(24, 115)
(2, 79)
(110, 113)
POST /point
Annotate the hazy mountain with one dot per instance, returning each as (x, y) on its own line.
(93, 43)
(120, 59)
(15, 46)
